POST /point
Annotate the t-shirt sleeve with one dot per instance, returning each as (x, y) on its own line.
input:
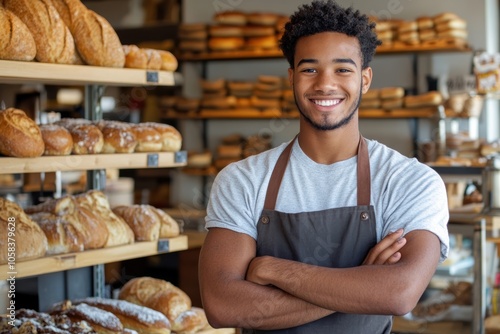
(421, 204)
(231, 199)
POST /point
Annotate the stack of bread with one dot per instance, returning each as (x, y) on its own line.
(21, 137)
(229, 150)
(267, 92)
(193, 37)
(215, 95)
(386, 98)
(67, 32)
(441, 30)
(167, 299)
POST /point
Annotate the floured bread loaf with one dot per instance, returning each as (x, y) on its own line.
(157, 294)
(171, 139)
(190, 321)
(30, 241)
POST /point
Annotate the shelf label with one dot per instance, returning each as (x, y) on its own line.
(180, 157)
(153, 160)
(163, 245)
(152, 77)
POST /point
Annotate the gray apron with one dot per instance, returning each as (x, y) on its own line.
(337, 238)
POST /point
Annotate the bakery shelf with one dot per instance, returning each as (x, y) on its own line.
(60, 262)
(399, 113)
(276, 53)
(21, 72)
(10, 165)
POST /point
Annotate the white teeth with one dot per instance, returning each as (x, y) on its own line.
(326, 103)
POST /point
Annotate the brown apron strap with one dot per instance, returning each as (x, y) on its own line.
(363, 172)
(364, 180)
(277, 176)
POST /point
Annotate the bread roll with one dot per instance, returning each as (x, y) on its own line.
(119, 233)
(96, 40)
(261, 43)
(231, 17)
(148, 139)
(57, 139)
(168, 61)
(30, 241)
(118, 137)
(16, 40)
(53, 39)
(142, 319)
(391, 92)
(154, 59)
(429, 99)
(171, 138)
(258, 31)
(169, 227)
(190, 321)
(264, 19)
(62, 236)
(87, 138)
(226, 43)
(157, 294)
(20, 136)
(225, 31)
(135, 57)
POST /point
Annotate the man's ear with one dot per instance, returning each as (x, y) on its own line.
(290, 76)
(366, 76)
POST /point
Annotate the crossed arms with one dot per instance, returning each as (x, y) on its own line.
(241, 290)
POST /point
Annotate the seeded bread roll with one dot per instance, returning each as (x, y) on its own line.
(57, 139)
(16, 40)
(20, 136)
(53, 39)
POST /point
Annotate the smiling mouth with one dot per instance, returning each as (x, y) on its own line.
(326, 103)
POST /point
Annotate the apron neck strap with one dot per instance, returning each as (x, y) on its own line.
(363, 175)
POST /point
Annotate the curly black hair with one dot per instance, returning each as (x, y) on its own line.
(321, 16)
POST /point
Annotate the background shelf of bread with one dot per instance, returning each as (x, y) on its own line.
(145, 305)
(442, 31)
(87, 230)
(67, 32)
(236, 34)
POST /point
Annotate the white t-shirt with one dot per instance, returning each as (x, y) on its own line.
(404, 192)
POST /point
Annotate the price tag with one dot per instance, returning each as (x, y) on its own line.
(153, 160)
(152, 77)
(163, 245)
(180, 157)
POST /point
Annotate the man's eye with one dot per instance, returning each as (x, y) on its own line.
(344, 70)
(308, 70)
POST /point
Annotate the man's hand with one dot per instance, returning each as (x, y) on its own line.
(387, 250)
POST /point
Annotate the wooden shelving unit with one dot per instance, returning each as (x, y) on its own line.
(60, 262)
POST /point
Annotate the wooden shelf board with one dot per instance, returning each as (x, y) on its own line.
(25, 72)
(401, 325)
(54, 263)
(398, 113)
(10, 165)
(240, 113)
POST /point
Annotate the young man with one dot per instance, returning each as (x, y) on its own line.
(303, 238)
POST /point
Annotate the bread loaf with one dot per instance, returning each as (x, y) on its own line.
(87, 138)
(168, 61)
(54, 42)
(148, 139)
(84, 220)
(429, 99)
(101, 321)
(57, 139)
(30, 241)
(139, 318)
(135, 57)
(16, 40)
(119, 233)
(96, 40)
(190, 321)
(118, 137)
(62, 236)
(157, 294)
(171, 139)
(20, 136)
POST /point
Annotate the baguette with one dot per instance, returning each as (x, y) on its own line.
(53, 39)
(16, 40)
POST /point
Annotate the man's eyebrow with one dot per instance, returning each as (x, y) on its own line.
(336, 60)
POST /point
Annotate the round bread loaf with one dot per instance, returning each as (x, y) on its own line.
(168, 61)
(171, 139)
(135, 57)
(264, 19)
(148, 139)
(20, 136)
(57, 139)
(225, 43)
(231, 17)
(118, 137)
